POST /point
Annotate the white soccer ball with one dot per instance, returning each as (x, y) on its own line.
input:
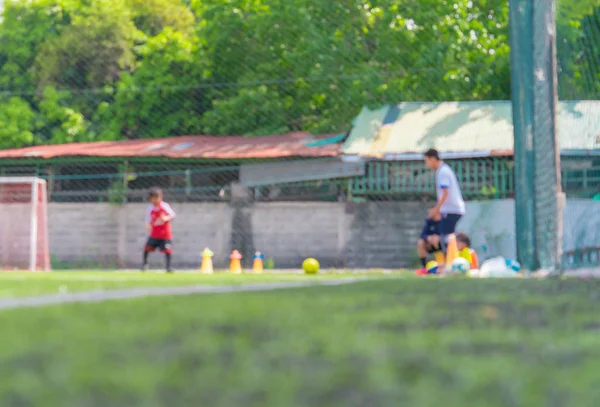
(460, 266)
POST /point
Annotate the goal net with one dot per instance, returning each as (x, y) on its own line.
(23, 224)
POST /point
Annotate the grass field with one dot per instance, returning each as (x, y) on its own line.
(19, 284)
(393, 342)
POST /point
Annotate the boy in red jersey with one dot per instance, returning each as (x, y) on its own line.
(158, 221)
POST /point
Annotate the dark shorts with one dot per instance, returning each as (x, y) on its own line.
(431, 227)
(448, 223)
(163, 245)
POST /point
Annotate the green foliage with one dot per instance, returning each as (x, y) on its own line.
(24, 27)
(260, 109)
(314, 67)
(91, 51)
(153, 16)
(127, 69)
(17, 123)
(578, 50)
(63, 124)
(159, 89)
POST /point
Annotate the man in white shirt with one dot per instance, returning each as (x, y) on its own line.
(450, 205)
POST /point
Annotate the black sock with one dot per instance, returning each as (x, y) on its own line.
(423, 261)
(145, 258)
(168, 261)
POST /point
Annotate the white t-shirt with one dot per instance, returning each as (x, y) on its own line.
(446, 179)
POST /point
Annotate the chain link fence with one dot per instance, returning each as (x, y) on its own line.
(118, 183)
(129, 69)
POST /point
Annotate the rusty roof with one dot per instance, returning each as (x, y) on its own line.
(298, 144)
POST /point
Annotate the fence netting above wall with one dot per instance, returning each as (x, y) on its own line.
(192, 181)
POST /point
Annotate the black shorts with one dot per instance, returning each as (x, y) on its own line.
(448, 223)
(164, 245)
(431, 227)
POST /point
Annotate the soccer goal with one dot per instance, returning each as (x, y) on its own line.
(24, 224)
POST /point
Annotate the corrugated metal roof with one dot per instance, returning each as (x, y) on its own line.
(462, 129)
(207, 147)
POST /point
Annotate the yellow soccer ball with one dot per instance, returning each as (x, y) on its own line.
(432, 267)
(311, 266)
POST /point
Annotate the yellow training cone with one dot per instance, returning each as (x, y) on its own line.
(236, 265)
(207, 266)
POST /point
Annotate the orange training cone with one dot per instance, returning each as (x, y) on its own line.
(474, 260)
(207, 266)
(439, 257)
(451, 251)
(236, 265)
(257, 266)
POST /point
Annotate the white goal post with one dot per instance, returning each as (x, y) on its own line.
(24, 224)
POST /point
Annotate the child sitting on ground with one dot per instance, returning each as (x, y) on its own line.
(463, 244)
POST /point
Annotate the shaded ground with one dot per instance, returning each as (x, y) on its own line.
(413, 342)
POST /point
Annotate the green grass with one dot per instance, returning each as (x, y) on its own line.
(20, 284)
(399, 342)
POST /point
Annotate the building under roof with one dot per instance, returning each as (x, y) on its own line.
(381, 157)
(477, 140)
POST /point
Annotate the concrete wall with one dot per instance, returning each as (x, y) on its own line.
(493, 223)
(376, 234)
(115, 235)
(367, 235)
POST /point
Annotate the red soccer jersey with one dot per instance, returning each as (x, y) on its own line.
(160, 230)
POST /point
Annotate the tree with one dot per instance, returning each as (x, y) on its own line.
(313, 65)
(17, 123)
(578, 27)
(153, 16)
(84, 70)
(264, 113)
(92, 51)
(164, 97)
(61, 123)
(23, 29)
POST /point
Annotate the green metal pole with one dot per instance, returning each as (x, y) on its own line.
(521, 61)
(548, 189)
(538, 195)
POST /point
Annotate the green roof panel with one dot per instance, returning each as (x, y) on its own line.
(365, 128)
(454, 126)
(476, 128)
(579, 125)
